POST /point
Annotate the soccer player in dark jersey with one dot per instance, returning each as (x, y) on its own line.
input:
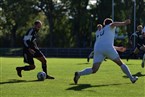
(31, 51)
(140, 42)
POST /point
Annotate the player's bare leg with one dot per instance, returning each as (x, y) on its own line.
(126, 70)
(86, 71)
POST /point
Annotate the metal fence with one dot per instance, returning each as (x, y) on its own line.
(60, 52)
(50, 52)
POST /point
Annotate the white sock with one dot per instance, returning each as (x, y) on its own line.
(143, 58)
(126, 70)
(85, 71)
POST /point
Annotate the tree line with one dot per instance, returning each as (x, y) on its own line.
(66, 23)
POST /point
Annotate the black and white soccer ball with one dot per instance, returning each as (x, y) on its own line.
(41, 76)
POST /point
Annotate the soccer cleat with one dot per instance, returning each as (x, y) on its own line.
(76, 77)
(142, 64)
(18, 69)
(49, 77)
(134, 79)
(88, 59)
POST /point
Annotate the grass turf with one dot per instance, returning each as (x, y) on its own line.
(109, 81)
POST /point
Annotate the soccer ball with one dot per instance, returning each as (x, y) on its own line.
(41, 76)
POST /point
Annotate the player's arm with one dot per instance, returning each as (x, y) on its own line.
(117, 24)
(120, 49)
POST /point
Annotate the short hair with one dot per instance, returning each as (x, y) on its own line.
(139, 26)
(37, 22)
(99, 25)
(107, 21)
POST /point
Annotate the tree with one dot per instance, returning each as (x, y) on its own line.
(15, 14)
(66, 23)
(78, 13)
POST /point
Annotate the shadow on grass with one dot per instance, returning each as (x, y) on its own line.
(83, 63)
(80, 87)
(139, 74)
(130, 64)
(18, 81)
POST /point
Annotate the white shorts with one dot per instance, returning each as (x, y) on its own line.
(101, 52)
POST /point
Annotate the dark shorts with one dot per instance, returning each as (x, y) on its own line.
(28, 57)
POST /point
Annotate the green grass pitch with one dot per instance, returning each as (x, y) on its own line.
(109, 81)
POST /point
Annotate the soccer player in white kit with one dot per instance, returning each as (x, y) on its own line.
(104, 47)
(99, 27)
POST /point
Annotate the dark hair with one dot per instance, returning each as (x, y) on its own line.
(107, 21)
(37, 22)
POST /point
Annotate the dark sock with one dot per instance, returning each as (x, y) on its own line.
(26, 68)
(44, 67)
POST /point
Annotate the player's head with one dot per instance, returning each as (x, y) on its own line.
(139, 28)
(107, 21)
(99, 26)
(37, 24)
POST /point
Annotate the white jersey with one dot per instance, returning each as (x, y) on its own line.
(106, 36)
(104, 46)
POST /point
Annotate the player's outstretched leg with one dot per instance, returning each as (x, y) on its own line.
(77, 75)
(126, 70)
